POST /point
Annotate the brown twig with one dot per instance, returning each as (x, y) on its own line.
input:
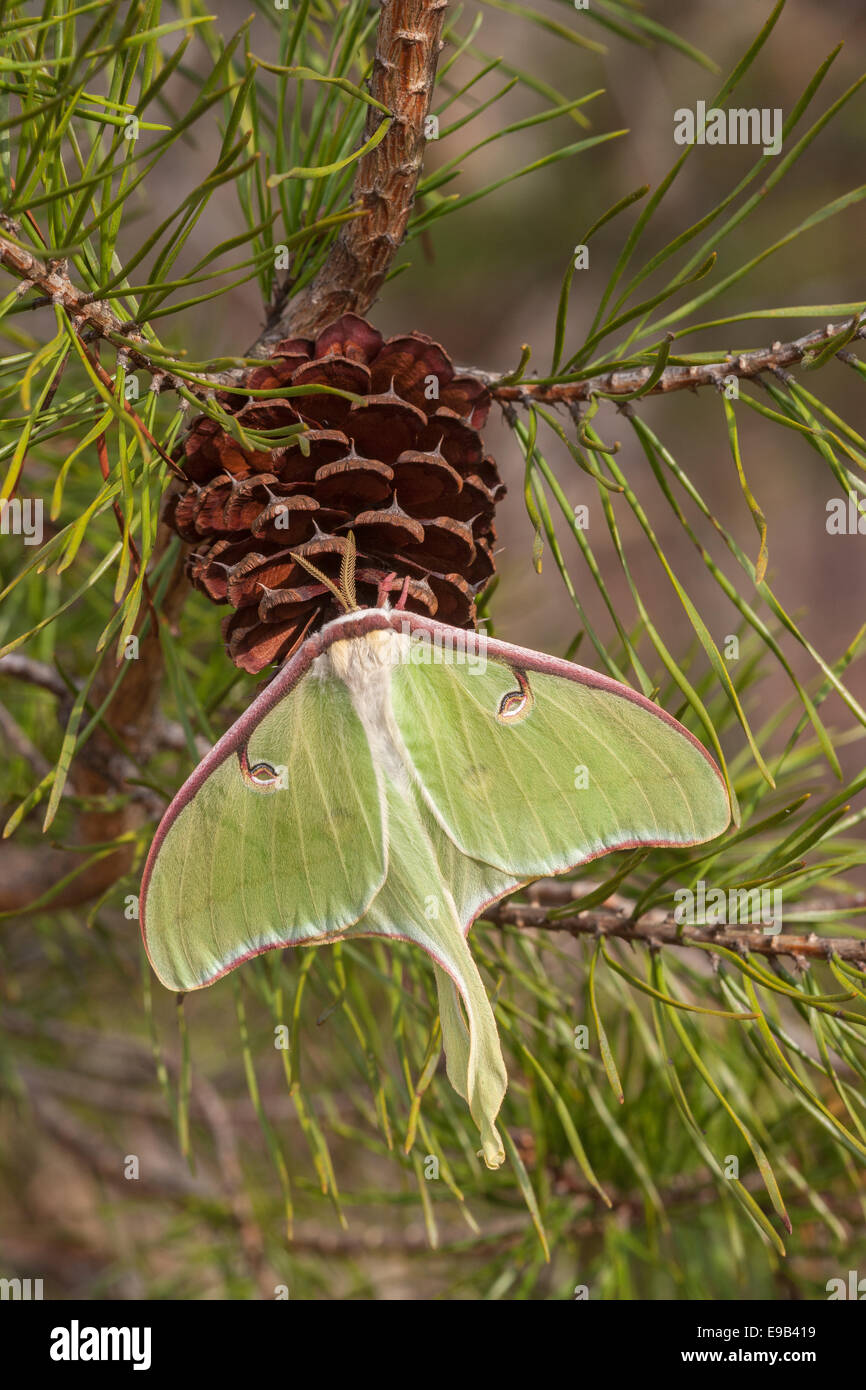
(330, 295)
(14, 736)
(24, 668)
(661, 929)
(404, 70)
(743, 365)
(169, 733)
(85, 312)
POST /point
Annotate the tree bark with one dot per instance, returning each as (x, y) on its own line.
(404, 71)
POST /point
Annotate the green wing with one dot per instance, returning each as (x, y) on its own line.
(583, 772)
(416, 904)
(243, 868)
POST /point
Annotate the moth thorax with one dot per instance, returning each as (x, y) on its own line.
(365, 666)
(361, 661)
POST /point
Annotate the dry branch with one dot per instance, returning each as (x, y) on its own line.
(85, 312)
(364, 256)
(404, 71)
(657, 928)
(745, 365)
(25, 668)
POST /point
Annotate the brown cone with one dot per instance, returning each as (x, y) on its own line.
(407, 474)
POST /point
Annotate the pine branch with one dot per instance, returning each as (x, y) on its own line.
(350, 280)
(90, 316)
(408, 43)
(407, 47)
(404, 70)
(38, 673)
(774, 358)
(659, 929)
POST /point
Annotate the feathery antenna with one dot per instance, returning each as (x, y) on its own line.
(344, 589)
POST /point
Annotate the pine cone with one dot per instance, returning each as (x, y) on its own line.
(404, 469)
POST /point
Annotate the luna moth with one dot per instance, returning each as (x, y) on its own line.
(395, 778)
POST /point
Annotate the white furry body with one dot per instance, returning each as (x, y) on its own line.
(364, 665)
